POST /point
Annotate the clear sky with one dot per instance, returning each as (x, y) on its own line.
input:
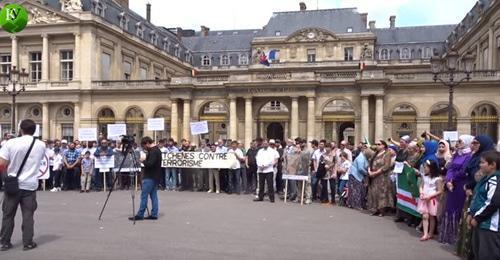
(253, 14)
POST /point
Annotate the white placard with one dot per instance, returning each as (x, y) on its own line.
(37, 131)
(156, 124)
(200, 127)
(295, 177)
(398, 167)
(87, 134)
(104, 162)
(44, 168)
(200, 160)
(450, 136)
(116, 130)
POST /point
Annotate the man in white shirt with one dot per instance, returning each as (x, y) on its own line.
(235, 170)
(266, 158)
(12, 155)
(316, 155)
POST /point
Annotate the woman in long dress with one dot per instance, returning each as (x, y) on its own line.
(379, 191)
(356, 185)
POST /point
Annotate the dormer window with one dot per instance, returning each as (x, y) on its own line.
(349, 29)
(123, 21)
(139, 29)
(187, 56)
(243, 59)
(177, 50)
(405, 54)
(384, 54)
(166, 44)
(277, 33)
(99, 7)
(224, 60)
(427, 53)
(205, 60)
(154, 37)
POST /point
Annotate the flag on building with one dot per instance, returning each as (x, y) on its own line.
(263, 59)
(407, 191)
(274, 56)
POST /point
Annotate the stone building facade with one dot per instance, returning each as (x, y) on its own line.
(95, 62)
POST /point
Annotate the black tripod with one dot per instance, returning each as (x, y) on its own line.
(127, 149)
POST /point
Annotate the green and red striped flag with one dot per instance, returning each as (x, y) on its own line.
(407, 191)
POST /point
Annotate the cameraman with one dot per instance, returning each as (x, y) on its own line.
(150, 179)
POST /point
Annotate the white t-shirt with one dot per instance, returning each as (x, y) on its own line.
(14, 151)
(347, 166)
(317, 155)
(58, 162)
(265, 160)
(237, 154)
(49, 152)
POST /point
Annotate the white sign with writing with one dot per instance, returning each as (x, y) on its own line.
(296, 177)
(104, 162)
(87, 134)
(200, 160)
(198, 128)
(450, 136)
(116, 130)
(156, 124)
(398, 167)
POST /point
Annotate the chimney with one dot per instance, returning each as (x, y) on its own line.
(303, 6)
(148, 12)
(392, 19)
(364, 19)
(372, 25)
(204, 30)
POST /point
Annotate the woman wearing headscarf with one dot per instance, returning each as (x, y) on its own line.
(358, 172)
(379, 192)
(479, 145)
(444, 156)
(429, 150)
(455, 194)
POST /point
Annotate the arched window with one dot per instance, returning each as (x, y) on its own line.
(205, 60)
(405, 54)
(384, 54)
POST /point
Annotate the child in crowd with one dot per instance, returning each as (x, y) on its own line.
(430, 189)
(57, 168)
(343, 173)
(87, 169)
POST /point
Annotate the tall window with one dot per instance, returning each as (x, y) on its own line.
(67, 132)
(36, 66)
(154, 38)
(5, 62)
(311, 55)
(177, 50)
(348, 53)
(123, 21)
(143, 73)
(485, 58)
(158, 74)
(127, 70)
(224, 61)
(384, 54)
(405, 54)
(205, 61)
(243, 59)
(166, 44)
(105, 66)
(66, 65)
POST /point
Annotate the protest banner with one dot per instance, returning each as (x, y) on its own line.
(116, 130)
(198, 128)
(199, 160)
(156, 124)
(451, 136)
(87, 134)
(104, 162)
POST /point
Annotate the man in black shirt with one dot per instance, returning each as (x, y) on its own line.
(150, 179)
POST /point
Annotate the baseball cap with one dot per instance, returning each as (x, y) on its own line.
(272, 141)
(64, 141)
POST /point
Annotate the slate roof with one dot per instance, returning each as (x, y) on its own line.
(220, 41)
(413, 34)
(334, 20)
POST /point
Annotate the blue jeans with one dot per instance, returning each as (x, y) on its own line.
(170, 178)
(342, 186)
(148, 188)
(234, 180)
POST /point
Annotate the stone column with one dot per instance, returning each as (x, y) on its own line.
(45, 121)
(310, 119)
(233, 121)
(365, 123)
(76, 123)
(186, 119)
(248, 122)
(174, 120)
(294, 133)
(45, 57)
(76, 57)
(379, 118)
(335, 137)
(491, 49)
(14, 54)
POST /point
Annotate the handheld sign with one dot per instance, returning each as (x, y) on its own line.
(87, 134)
(44, 168)
(156, 124)
(198, 128)
(116, 130)
(450, 136)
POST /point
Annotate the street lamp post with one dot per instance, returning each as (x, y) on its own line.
(448, 65)
(14, 78)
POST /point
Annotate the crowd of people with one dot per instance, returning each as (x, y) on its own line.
(444, 191)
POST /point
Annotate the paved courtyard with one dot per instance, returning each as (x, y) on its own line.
(213, 226)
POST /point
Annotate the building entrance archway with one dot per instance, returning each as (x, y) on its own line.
(275, 131)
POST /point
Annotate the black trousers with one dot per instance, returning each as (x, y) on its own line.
(69, 179)
(27, 200)
(324, 190)
(252, 178)
(279, 179)
(266, 177)
(485, 244)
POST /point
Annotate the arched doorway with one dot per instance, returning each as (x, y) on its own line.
(273, 119)
(215, 113)
(165, 114)
(404, 121)
(338, 121)
(484, 120)
(275, 131)
(134, 118)
(439, 119)
(105, 116)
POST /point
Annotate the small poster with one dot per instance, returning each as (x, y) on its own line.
(87, 134)
(198, 128)
(451, 136)
(156, 124)
(116, 130)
